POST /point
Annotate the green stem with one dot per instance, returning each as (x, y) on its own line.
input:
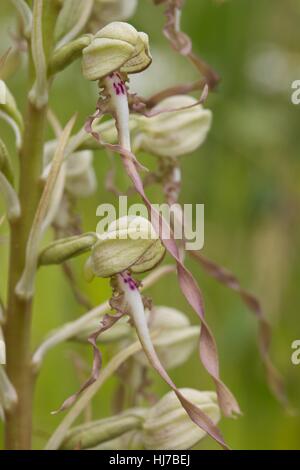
(18, 421)
(18, 327)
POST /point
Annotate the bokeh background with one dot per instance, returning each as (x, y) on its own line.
(246, 174)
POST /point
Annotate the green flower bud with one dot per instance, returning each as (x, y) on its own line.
(65, 55)
(105, 11)
(66, 248)
(174, 133)
(173, 337)
(102, 431)
(129, 243)
(167, 425)
(116, 47)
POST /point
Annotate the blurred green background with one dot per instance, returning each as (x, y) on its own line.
(246, 174)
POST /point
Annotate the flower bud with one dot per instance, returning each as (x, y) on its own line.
(65, 55)
(129, 243)
(174, 133)
(116, 47)
(104, 430)
(173, 337)
(105, 11)
(80, 178)
(167, 425)
(64, 249)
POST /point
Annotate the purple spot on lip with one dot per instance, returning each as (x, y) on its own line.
(116, 88)
(128, 280)
(119, 87)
